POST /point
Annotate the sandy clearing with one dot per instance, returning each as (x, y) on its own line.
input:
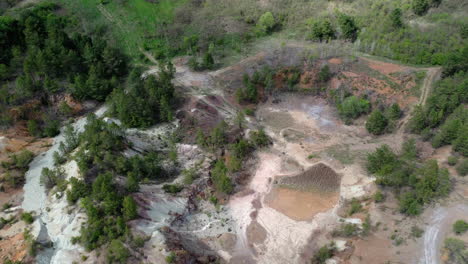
(300, 205)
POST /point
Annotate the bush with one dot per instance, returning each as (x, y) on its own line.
(420, 7)
(394, 112)
(324, 253)
(220, 178)
(348, 27)
(260, 138)
(129, 208)
(265, 24)
(118, 252)
(172, 188)
(171, 258)
(355, 207)
(452, 160)
(456, 250)
(382, 162)
(22, 160)
(322, 30)
(324, 74)
(462, 168)
(376, 123)
(460, 227)
(416, 231)
(379, 197)
(352, 107)
(27, 217)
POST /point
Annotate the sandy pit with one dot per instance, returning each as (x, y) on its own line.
(300, 205)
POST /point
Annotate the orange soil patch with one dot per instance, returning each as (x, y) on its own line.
(300, 205)
(335, 61)
(371, 250)
(385, 67)
(13, 248)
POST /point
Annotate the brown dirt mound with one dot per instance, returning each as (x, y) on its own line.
(300, 205)
(319, 177)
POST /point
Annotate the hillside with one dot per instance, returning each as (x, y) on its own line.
(233, 131)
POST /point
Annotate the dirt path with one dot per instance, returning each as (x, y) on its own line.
(432, 75)
(440, 222)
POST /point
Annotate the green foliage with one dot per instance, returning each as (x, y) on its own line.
(172, 188)
(395, 18)
(452, 160)
(382, 162)
(462, 168)
(324, 253)
(45, 49)
(456, 250)
(460, 227)
(346, 230)
(220, 177)
(394, 112)
(352, 107)
(22, 160)
(33, 128)
(376, 123)
(129, 208)
(416, 232)
(145, 103)
(348, 26)
(51, 177)
(260, 138)
(171, 258)
(356, 207)
(27, 217)
(322, 30)
(379, 196)
(420, 7)
(409, 150)
(265, 25)
(324, 74)
(425, 183)
(118, 252)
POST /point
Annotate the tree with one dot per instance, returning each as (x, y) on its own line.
(129, 208)
(265, 24)
(324, 74)
(118, 252)
(395, 18)
(348, 27)
(462, 168)
(420, 7)
(394, 112)
(382, 161)
(376, 123)
(456, 250)
(220, 179)
(460, 227)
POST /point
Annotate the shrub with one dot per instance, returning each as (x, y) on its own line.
(260, 138)
(460, 227)
(171, 258)
(33, 128)
(462, 168)
(376, 123)
(220, 178)
(27, 217)
(324, 74)
(383, 161)
(118, 252)
(379, 197)
(355, 207)
(395, 18)
(22, 160)
(172, 188)
(322, 30)
(129, 208)
(348, 26)
(265, 24)
(324, 253)
(394, 112)
(456, 250)
(352, 107)
(420, 7)
(416, 231)
(452, 160)
(409, 150)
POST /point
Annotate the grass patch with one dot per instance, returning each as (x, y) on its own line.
(341, 153)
